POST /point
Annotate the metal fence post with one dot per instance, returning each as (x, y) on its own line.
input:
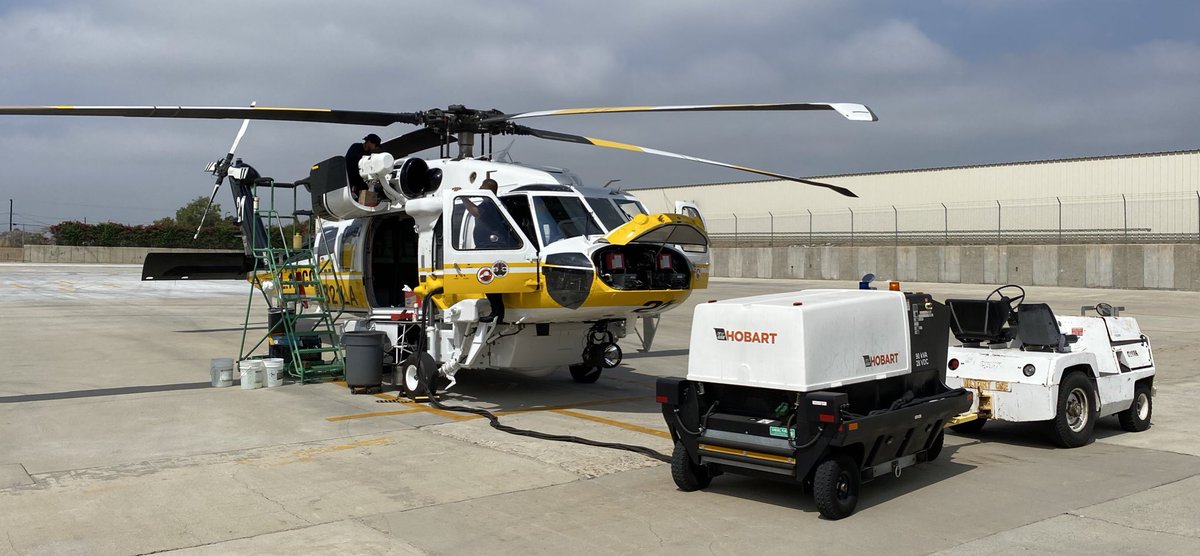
(946, 223)
(735, 229)
(772, 240)
(810, 238)
(851, 226)
(1125, 215)
(1059, 219)
(896, 223)
(998, 211)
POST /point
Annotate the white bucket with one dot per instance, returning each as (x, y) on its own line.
(274, 369)
(251, 371)
(222, 371)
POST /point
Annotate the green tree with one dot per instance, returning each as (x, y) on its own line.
(188, 215)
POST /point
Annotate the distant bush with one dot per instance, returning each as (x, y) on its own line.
(219, 234)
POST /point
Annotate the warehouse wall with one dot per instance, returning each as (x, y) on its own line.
(1166, 267)
(1157, 191)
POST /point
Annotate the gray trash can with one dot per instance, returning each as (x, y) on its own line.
(364, 358)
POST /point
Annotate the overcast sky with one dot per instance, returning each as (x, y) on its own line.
(954, 82)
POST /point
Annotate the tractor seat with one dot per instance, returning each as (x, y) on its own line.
(977, 320)
(1037, 328)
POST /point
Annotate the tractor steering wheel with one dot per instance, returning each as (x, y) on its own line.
(1013, 302)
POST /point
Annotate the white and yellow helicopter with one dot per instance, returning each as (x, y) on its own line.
(519, 267)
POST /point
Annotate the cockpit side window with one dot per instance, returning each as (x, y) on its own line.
(607, 212)
(561, 217)
(518, 208)
(630, 207)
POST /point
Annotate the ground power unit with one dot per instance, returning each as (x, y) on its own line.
(826, 388)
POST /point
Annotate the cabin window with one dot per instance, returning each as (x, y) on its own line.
(479, 224)
(607, 213)
(326, 241)
(563, 217)
(349, 239)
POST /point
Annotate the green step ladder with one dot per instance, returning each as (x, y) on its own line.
(298, 300)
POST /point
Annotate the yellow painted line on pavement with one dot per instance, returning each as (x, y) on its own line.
(372, 414)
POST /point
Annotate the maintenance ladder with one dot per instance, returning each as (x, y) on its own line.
(301, 326)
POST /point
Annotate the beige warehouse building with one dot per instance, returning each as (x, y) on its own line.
(1126, 221)
(1151, 193)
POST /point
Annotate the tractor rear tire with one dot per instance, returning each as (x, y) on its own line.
(687, 475)
(935, 449)
(1074, 423)
(835, 487)
(1137, 417)
(970, 427)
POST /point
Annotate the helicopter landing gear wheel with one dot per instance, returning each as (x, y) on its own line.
(417, 374)
(585, 373)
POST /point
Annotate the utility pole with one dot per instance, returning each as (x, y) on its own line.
(10, 215)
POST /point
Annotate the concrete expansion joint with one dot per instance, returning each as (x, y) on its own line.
(1127, 526)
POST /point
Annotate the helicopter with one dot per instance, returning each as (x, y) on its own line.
(473, 261)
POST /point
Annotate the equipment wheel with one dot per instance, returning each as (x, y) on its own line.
(1137, 417)
(687, 475)
(585, 374)
(1075, 419)
(417, 371)
(970, 427)
(835, 487)
(935, 449)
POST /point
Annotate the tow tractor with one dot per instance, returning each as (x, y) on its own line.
(1024, 363)
(827, 388)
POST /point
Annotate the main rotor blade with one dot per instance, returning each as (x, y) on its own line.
(556, 136)
(414, 141)
(321, 115)
(851, 111)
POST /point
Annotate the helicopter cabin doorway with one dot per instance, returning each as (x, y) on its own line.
(391, 260)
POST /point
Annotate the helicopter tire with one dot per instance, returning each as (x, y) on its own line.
(585, 373)
(416, 373)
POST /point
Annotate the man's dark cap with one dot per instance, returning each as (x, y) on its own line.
(372, 138)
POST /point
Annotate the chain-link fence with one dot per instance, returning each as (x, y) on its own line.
(1153, 218)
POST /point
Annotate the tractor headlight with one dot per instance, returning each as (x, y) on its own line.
(1028, 370)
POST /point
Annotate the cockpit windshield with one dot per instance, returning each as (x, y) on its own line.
(562, 217)
(607, 212)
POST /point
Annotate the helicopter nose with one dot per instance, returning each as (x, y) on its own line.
(568, 278)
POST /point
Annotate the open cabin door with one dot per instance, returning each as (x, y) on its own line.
(697, 254)
(689, 208)
(485, 251)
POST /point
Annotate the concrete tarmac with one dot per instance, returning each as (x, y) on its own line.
(112, 442)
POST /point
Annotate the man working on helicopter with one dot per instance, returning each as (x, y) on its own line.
(369, 145)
